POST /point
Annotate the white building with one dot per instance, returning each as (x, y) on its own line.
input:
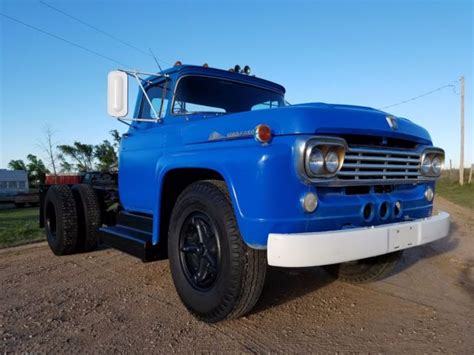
(13, 182)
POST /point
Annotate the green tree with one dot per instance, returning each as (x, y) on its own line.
(36, 170)
(34, 167)
(17, 165)
(106, 156)
(106, 153)
(81, 154)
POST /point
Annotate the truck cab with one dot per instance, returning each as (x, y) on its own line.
(220, 174)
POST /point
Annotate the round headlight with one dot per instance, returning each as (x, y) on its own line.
(316, 162)
(332, 161)
(436, 165)
(426, 166)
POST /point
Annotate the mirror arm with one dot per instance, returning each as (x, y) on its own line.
(158, 118)
(124, 122)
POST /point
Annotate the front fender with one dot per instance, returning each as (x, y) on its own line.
(261, 180)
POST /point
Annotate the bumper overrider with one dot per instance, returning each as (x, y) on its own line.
(332, 247)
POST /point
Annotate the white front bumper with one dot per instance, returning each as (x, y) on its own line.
(332, 247)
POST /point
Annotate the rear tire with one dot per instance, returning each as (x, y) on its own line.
(60, 220)
(89, 217)
(217, 276)
(365, 270)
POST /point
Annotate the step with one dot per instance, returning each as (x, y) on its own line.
(130, 241)
(135, 221)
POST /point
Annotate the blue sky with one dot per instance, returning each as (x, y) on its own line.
(371, 53)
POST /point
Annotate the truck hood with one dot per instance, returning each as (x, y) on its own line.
(304, 119)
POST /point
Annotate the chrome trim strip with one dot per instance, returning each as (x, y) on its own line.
(411, 173)
(380, 166)
(378, 173)
(349, 156)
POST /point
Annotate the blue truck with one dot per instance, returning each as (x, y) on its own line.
(222, 176)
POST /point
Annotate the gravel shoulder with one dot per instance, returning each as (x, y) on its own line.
(107, 301)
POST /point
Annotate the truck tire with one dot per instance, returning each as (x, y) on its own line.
(365, 270)
(60, 220)
(88, 215)
(217, 276)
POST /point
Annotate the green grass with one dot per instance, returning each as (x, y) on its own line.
(19, 226)
(452, 191)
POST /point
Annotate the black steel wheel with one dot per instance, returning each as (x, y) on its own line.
(200, 251)
(60, 220)
(217, 276)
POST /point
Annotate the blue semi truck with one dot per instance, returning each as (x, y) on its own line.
(222, 176)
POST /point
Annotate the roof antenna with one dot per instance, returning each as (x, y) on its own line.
(156, 60)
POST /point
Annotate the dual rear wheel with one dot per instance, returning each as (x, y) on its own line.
(72, 217)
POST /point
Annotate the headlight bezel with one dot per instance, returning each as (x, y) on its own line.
(325, 145)
(431, 154)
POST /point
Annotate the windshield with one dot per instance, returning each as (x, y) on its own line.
(198, 94)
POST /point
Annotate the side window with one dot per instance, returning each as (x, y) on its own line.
(182, 107)
(266, 105)
(158, 95)
(21, 184)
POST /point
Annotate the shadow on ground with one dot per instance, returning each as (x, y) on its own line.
(466, 278)
(413, 255)
(283, 285)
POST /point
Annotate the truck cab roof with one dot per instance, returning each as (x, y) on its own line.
(186, 69)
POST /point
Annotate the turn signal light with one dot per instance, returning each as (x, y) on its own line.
(263, 133)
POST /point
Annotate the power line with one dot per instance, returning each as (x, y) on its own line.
(420, 96)
(63, 40)
(115, 38)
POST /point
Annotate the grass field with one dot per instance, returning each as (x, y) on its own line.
(19, 226)
(452, 191)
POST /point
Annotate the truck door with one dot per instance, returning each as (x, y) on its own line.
(141, 148)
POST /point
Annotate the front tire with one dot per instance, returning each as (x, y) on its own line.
(217, 276)
(365, 270)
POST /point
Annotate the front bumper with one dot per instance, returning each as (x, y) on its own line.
(332, 247)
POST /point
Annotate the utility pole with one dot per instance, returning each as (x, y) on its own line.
(461, 162)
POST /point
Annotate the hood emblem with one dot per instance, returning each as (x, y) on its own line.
(215, 136)
(392, 122)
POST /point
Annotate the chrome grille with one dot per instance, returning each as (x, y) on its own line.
(380, 164)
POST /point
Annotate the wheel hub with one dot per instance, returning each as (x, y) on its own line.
(200, 250)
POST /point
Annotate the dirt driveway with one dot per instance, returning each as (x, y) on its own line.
(107, 301)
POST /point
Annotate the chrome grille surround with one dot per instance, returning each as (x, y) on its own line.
(369, 165)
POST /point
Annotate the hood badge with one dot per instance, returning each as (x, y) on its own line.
(392, 122)
(216, 136)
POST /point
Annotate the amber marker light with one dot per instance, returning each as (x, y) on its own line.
(263, 133)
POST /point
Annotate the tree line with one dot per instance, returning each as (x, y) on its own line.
(67, 159)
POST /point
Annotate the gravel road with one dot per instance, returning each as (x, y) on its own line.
(107, 301)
